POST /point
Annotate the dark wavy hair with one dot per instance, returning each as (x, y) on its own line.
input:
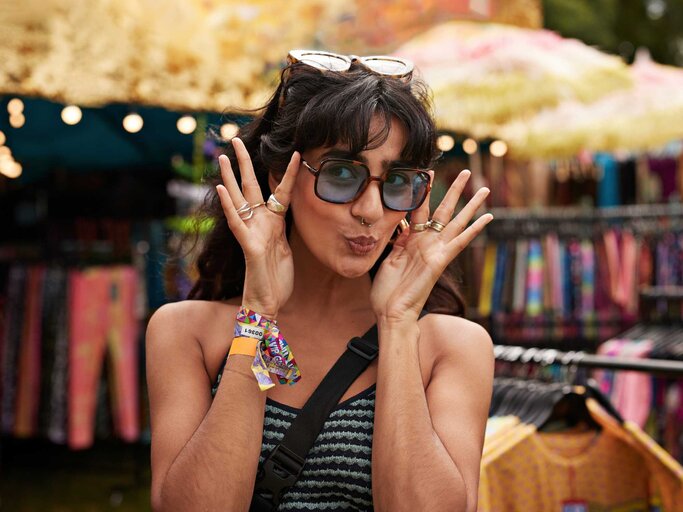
(311, 109)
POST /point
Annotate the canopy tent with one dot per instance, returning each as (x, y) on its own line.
(201, 55)
(645, 116)
(485, 75)
(182, 55)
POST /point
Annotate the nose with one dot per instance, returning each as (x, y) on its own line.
(369, 204)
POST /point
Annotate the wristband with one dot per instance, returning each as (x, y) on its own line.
(272, 353)
(243, 346)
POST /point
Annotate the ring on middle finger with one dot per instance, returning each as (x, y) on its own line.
(419, 226)
(436, 225)
(274, 205)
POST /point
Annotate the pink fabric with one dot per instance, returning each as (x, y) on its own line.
(102, 315)
(632, 392)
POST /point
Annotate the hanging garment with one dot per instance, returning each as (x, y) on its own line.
(28, 385)
(102, 320)
(666, 475)
(487, 280)
(630, 392)
(14, 321)
(534, 298)
(55, 357)
(540, 472)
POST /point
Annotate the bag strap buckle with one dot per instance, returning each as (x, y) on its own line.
(280, 470)
(363, 348)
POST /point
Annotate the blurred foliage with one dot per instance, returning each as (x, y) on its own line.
(621, 26)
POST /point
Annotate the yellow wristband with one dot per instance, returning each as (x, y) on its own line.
(244, 346)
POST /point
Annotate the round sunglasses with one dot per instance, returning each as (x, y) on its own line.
(341, 181)
(327, 61)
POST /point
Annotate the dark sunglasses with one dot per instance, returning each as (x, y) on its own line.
(328, 61)
(341, 181)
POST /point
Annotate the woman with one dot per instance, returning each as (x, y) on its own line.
(318, 258)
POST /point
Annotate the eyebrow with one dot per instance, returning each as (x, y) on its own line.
(345, 153)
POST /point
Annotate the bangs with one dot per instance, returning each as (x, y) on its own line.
(343, 115)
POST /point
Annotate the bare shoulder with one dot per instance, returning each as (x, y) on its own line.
(453, 338)
(193, 327)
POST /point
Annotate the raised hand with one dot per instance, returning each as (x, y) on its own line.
(420, 255)
(269, 278)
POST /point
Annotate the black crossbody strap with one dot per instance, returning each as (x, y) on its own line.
(284, 464)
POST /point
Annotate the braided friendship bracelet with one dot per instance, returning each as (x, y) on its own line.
(272, 353)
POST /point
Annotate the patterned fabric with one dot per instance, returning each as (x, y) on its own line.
(337, 474)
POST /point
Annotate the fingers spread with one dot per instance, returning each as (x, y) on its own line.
(230, 182)
(283, 192)
(444, 212)
(464, 239)
(457, 225)
(235, 222)
(250, 186)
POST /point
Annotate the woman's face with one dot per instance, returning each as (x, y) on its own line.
(333, 232)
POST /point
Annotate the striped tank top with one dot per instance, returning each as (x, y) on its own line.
(337, 473)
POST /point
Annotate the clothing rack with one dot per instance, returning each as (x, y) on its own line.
(525, 355)
(589, 214)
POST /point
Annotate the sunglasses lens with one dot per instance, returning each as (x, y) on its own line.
(340, 181)
(326, 61)
(405, 190)
(387, 66)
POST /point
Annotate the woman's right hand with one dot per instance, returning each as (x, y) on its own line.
(269, 278)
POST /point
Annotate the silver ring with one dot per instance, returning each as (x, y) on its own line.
(419, 226)
(436, 225)
(274, 205)
(245, 212)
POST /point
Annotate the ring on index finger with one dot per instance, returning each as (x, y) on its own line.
(274, 205)
(436, 225)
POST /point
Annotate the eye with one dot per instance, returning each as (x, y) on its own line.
(397, 178)
(341, 171)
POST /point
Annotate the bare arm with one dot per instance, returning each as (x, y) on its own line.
(427, 445)
(204, 453)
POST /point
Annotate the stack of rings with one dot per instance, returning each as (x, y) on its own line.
(431, 224)
(246, 211)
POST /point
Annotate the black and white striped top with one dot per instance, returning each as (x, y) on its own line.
(337, 474)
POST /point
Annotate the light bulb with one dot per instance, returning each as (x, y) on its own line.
(186, 124)
(17, 120)
(469, 146)
(133, 123)
(15, 106)
(71, 114)
(498, 148)
(445, 142)
(3, 139)
(11, 169)
(229, 130)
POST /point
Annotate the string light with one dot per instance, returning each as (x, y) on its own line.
(17, 120)
(71, 115)
(15, 106)
(229, 130)
(3, 139)
(470, 146)
(498, 148)
(12, 170)
(186, 124)
(5, 152)
(445, 142)
(133, 123)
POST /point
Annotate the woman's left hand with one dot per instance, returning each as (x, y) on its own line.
(408, 274)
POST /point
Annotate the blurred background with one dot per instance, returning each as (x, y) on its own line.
(111, 111)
